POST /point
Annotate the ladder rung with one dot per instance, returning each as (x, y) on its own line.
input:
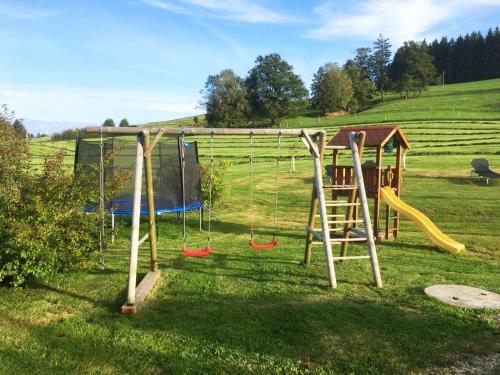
(334, 240)
(345, 221)
(340, 187)
(340, 204)
(352, 257)
(332, 215)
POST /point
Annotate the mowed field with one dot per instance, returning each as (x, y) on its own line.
(245, 311)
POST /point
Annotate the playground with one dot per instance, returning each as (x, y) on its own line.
(242, 310)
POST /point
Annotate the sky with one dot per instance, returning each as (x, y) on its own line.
(75, 63)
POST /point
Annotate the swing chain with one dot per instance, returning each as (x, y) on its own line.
(210, 187)
(251, 186)
(278, 156)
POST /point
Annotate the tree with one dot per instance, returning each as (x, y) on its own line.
(124, 123)
(224, 98)
(275, 91)
(413, 68)
(19, 128)
(331, 89)
(362, 59)
(363, 88)
(379, 63)
(109, 123)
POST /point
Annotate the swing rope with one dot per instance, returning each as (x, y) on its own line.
(207, 249)
(273, 243)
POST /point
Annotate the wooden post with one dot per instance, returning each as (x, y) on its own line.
(376, 208)
(366, 212)
(151, 201)
(388, 179)
(327, 244)
(399, 156)
(313, 208)
(360, 142)
(136, 218)
(335, 163)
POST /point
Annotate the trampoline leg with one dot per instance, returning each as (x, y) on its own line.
(201, 219)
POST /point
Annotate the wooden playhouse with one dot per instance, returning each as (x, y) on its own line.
(381, 140)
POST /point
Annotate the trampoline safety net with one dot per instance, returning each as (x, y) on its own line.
(119, 156)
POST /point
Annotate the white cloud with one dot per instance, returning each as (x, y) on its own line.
(22, 12)
(400, 20)
(236, 10)
(166, 6)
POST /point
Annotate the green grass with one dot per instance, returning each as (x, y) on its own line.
(244, 311)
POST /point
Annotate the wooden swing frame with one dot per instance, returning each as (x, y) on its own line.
(314, 141)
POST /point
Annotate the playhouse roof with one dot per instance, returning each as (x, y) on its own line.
(376, 136)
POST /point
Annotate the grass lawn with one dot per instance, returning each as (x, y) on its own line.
(245, 311)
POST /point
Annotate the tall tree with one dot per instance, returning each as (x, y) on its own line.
(412, 67)
(225, 100)
(379, 63)
(362, 59)
(363, 88)
(275, 91)
(124, 123)
(331, 89)
(19, 128)
(109, 123)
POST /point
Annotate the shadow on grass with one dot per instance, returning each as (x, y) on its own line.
(199, 332)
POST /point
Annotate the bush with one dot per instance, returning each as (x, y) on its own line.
(43, 229)
(219, 186)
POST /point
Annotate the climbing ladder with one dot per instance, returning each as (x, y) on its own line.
(325, 235)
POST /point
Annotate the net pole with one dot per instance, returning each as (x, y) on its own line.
(183, 168)
(210, 187)
(101, 201)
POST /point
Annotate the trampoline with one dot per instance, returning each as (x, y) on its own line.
(119, 156)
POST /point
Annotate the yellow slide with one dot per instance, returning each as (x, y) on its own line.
(423, 222)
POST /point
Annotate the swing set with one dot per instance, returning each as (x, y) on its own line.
(208, 248)
(314, 140)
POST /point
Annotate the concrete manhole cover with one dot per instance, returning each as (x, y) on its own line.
(464, 296)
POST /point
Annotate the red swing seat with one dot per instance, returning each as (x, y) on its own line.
(265, 246)
(197, 253)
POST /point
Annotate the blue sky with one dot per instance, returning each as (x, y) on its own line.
(79, 62)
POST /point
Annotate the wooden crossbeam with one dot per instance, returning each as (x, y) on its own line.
(142, 291)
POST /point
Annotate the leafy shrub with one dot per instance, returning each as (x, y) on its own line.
(42, 227)
(219, 185)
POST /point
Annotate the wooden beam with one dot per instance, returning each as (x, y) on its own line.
(149, 149)
(205, 131)
(399, 170)
(366, 212)
(313, 208)
(151, 200)
(376, 206)
(136, 217)
(141, 292)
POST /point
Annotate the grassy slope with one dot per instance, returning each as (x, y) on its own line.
(240, 311)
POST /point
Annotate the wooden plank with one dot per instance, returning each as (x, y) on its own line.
(142, 291)
(352, 257)
(315, 234)
(206, 131)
